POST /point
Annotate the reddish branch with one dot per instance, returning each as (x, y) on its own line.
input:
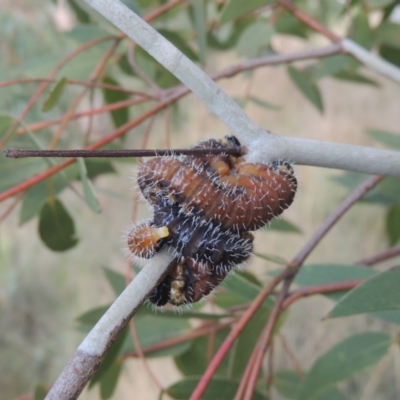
(38, 92)
(170, 97)
(320, 289)
(359, 192)
(308, 20)
(228, 342)
(377, 258)
(195, 333)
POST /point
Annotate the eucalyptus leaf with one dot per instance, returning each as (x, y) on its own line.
(379, 293)
(218, 388)
(55, 95)
(56, 227)
(343, 361)
(90, 196)
(393, 224)
(237, 8)
(306, 86)
(389, 139)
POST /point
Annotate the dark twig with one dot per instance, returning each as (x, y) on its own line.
(23, 153)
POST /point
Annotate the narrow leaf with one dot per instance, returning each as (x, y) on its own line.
(121, 115)
(40, 391)
(380, 293)
(200, 26)
(88, 190)
(283, 225)
(54, 95)
(263, 103)
(342, 361)
(388, 33)
(237, 8)
(254, 39)
(116, 280)
(387, 138)
(81, 14)
(393, 224)
(109, 380)
(287, 383)
(218, 388)
(56, 227)
(306, 86)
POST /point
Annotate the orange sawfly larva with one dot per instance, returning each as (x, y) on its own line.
(204, 208)
(241, 196)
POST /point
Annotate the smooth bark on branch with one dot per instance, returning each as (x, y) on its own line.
(86, 359)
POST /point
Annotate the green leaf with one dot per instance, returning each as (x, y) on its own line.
(86, 32)
(96, 167)
(388, 316)
(236, 289)
(393, 224)
(55, 95)
(80, 14)
(120, 116)
(116, 280)
(37, 195)
(236, 8)
(306, 86)
(110, 367)
(290, 25)
(40, 391)
(272, 258)
(391, 54)
(388, 33)
(343, 361)
(91, 317)
(218, 388)
(109, 380)
(254, 39)
(181, 43)
(387, 138)
(355, 77)
(246, 342)
(88, 190)
(152, 329)
(263, 103)
(380, 293)
(283, 225)
(199, 11)
(361, 30)
(56, 227)
(287, 383)
(199, 351)
(321, 274)
(378, 3)
(332, 65)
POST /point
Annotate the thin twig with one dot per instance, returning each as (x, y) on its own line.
(94, 76)
(359, 192)
(291, 355)
(308, 20)
(32, 101)
(36, 126)
(265, 339)
(99, 85)
(228, 342)
(194, 334)
(377, 258)
(319, 289)
(24, 153)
